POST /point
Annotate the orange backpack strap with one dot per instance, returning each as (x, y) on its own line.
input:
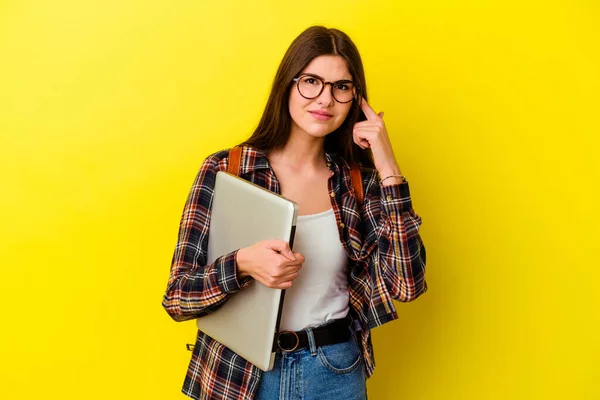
(235, 161)
(357, 183)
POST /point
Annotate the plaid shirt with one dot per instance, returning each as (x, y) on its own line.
(386, 254)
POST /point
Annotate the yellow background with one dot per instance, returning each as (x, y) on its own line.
(109, 107)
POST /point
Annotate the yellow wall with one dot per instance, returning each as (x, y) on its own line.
(108, 108)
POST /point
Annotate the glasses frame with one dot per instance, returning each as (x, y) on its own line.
(325, 83)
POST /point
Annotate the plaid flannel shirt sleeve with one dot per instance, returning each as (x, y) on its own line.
(195, 288)
(401, 253)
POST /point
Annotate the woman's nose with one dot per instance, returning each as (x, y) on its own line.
(326, 96)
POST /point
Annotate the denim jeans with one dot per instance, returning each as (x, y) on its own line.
(329, 372)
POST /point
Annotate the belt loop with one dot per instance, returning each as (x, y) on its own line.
(311, 342)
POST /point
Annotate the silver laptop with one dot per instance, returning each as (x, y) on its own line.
(242, 214)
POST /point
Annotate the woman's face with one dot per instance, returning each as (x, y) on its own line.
(323, 114)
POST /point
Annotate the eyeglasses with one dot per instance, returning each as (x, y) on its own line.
(311, 86)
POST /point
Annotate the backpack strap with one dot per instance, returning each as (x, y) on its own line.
(235, 161)
(357, 183)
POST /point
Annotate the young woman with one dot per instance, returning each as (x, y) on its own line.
(350, 257)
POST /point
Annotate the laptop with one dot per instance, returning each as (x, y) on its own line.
(242, 214)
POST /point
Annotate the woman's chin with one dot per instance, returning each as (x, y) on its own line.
(319, 131)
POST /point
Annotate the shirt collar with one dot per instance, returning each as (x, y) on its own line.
(254, 160)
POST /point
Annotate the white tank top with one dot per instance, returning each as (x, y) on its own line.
(320, 292)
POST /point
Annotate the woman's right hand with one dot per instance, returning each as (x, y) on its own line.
(271, 262)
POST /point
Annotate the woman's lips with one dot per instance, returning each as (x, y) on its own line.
(320, 116)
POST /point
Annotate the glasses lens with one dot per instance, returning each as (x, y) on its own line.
(309, 86)
(343, 91)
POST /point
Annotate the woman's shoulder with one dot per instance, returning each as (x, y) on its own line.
(367, 172)
(244, 158)
(217, 156)
(217, 160)
(224, 153)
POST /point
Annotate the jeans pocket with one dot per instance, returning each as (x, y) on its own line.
(340, 358)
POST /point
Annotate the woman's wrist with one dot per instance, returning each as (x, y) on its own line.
(389, 170)
(240, 262)
(391, 175)
(393, 180)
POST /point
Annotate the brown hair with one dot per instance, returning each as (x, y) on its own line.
(275, 124)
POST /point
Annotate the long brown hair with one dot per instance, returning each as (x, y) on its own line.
(275, 124)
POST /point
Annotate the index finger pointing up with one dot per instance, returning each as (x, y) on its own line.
(369, 112)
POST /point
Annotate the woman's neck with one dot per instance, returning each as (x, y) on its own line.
(301, 151)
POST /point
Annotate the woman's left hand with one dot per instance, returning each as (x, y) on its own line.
(373, 134)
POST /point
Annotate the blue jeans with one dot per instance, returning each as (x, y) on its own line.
(329, 372)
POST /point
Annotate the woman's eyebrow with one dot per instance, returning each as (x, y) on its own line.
(323, 79)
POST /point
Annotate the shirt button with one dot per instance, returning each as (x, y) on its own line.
(389, 198)
(332, 194)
